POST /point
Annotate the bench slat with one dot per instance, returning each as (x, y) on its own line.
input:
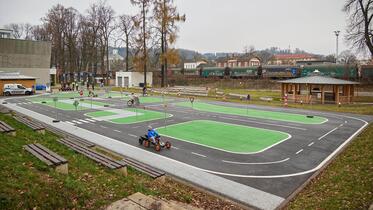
(151, 171)
(49, 163)
(44, 153)
(93, 155)
(60, 158)
(33, 125)
(5, 127)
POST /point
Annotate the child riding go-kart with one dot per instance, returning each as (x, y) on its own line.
(153, 138)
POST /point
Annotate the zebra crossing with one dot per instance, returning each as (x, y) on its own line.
(82, 121)
(24, 103)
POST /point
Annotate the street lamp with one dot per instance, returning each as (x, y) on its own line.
(336, 54)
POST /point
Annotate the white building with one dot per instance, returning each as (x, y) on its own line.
(132, 79)
(6, 33)
(193, 65)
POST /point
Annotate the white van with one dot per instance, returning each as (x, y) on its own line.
(16, 89)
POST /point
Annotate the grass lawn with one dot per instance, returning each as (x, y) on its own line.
(28, 183)
(144, 116)
(297, 118)
(223, 136)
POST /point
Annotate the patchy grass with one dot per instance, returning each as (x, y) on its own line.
(28, 183)
(347, 183)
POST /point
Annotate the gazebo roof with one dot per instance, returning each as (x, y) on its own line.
(322, 80)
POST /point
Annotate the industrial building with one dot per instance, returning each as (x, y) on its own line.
(30, 58)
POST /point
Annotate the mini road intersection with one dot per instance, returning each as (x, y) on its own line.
(278, 169)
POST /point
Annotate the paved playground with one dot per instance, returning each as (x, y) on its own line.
(274, 150)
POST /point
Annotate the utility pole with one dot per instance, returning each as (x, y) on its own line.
(336, 54)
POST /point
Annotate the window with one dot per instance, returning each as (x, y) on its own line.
(20, 87)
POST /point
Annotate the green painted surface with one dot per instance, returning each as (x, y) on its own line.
(59, 105)
(281, 116)
(144, 115)
(228, 137)
(100, 114)
(147, 99)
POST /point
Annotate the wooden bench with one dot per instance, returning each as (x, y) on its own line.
(151, 171)
(100, 158)
(5, 128)
(67, 135)
(48, 157)
(38, 127)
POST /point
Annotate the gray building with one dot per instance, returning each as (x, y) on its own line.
(31, 58)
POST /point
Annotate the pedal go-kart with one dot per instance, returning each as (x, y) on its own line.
(143, 140)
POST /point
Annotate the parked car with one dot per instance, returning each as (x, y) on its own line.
(16, 89)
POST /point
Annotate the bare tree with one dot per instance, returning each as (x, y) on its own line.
(166, 17)
(359, 31)
(40, 33)
(27, 28)
(17, 30)
(347, 57)
(127, 26)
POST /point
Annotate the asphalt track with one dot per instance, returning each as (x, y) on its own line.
(278, 170)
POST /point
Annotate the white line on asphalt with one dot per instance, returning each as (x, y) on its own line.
(83, 121)
(118, 131)
(253, 121)
(88, 119)
(136, 127)
(328, 133)
(198, 154)
(77, 122)
(299, 151)
(345, 121)
(132, 135)
(69, 123)
(103, 127)
(311, 144)
(175, 147)
(262, 163)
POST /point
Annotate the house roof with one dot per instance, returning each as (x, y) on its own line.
(14, 75)
(316, 79)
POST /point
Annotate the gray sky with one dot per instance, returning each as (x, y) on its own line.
(225, 25)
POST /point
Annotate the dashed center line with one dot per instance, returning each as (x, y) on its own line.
(174, 147)
(103, 127)
(118, 131)
(198, 154)
(311, 144)
(132, 135)
(299, 151)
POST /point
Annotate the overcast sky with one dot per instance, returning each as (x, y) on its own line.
(225, 25)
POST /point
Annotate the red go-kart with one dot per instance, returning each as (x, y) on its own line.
(144, 140)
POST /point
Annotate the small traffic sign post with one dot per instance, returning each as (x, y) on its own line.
(191, 101)
(247, 107)
(76, 104)
(55, 99)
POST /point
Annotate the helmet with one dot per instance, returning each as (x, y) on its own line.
(150, 127)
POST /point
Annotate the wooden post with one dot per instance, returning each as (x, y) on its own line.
(337, 94)
(348, 93)
(322, 94)
(282, 90)
(294, 91)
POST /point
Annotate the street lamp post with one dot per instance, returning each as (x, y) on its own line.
(337, 36)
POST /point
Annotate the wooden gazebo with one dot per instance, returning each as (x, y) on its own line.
(318, 89)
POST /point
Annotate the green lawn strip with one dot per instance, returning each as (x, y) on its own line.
(347, 183)
(100, 114)
(28, 183)
(288, 117)
(144, 115)
(223, 136)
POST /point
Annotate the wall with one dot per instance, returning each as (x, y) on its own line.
(134, 78)
(31, 58)
(28, 83)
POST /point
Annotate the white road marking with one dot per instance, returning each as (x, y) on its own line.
(321, 137)
(299, 151)
(77, 122)
(311, 144)
(262, 163)
(90, 120)
(262, 123)
(174, 147)
(136, 127)
(118, 131)
(69, 123)
(345, 121)
(103, 127)
(83, 121)
(198, 154)
(132, 135)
